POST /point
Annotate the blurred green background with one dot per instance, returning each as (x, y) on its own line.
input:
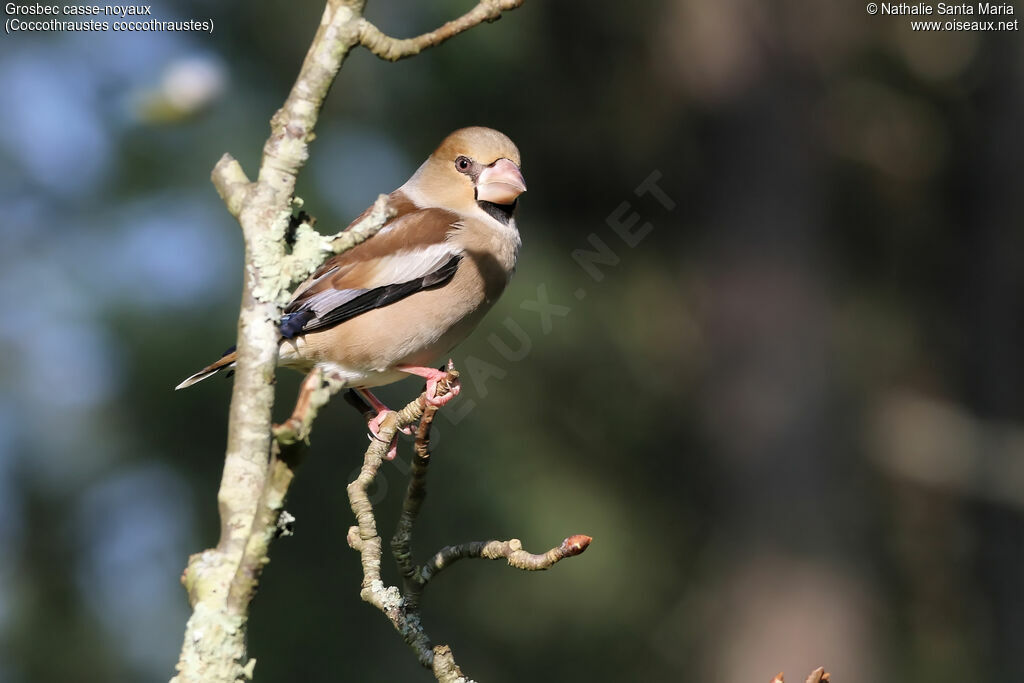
(790, 416)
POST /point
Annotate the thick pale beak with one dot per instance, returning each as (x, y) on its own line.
(500, 183)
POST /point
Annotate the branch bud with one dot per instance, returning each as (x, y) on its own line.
(574, 545)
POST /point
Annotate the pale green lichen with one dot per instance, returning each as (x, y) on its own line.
(308, 252)
(279, 271)
(389, 596)
(215, 649)
(267, 258)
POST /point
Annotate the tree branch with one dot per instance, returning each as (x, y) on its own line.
(258, 469)
(401, 607)
(231, 183)
(511, 550)
(416, 492)
(393, 49)
(310, 248)
(221, 581)
(364, 537)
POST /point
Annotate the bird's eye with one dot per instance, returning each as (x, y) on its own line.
(463, 164)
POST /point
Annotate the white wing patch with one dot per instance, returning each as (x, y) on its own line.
(400, 267)
(410, 264)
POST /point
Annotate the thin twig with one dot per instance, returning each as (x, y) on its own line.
(316, 390)
(416, 492)
(364, 537)
(393, 49)
(401, 607)
(309, 248)
(444, 667)
(511, 550)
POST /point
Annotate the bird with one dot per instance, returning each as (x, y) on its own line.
(395, 304)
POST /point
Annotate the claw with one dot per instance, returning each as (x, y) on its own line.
(374, 425)
(433, 377)
(375, 422)
(438, 401)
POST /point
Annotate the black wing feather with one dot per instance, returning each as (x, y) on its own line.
(304, 320)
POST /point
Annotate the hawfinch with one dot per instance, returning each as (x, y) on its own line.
(397, 303)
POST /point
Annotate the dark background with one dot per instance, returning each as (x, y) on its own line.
(790, 417)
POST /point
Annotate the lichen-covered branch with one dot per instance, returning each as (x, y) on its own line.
(258, 468)
(309, 248)
(221, 581)
(393, 49)
(401, 606)
(231, 183)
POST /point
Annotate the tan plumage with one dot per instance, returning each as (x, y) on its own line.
(408, 295)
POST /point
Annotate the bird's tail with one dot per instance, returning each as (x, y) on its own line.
(226, 361)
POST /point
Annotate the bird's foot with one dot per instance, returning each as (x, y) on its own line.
(377, 420)
(446, 380)
(374, 425)
(432, 397)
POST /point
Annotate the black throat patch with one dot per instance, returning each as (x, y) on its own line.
(499, 212)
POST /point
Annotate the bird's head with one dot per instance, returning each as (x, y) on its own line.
(472, 167)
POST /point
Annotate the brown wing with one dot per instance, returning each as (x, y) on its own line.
(412, 252)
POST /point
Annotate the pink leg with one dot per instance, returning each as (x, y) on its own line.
(374, 424)
(375, 403)
(432, 376)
